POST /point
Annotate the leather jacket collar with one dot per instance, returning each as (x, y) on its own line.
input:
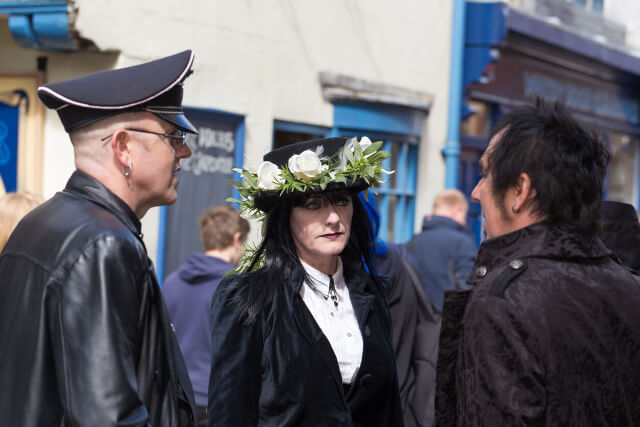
(87, 187)
(540, 240)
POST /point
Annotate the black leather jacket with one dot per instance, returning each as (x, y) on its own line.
(84, 332)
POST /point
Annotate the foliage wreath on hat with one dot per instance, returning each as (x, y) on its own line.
(357, 165)
(311, 171)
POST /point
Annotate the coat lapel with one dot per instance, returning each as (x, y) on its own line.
(313, 334)
(362, 303)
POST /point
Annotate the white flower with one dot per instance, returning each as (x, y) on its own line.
(306, 165)
(268, 174)
(352, 151)
(365, 142)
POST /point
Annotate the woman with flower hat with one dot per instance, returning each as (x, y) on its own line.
(302, 335)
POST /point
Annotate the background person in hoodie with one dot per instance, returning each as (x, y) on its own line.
(444, 250)
(188, 292)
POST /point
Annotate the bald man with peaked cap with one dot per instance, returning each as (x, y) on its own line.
(86, 339)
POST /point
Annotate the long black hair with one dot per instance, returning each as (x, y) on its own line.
(258, 288)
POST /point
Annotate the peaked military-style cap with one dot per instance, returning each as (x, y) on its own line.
(155, 87)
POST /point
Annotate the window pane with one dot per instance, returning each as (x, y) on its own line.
(597, 5)
(395, 151)
(391, 215)
(282, 138)
(622, 168)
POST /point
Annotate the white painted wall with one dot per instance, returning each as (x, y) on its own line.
(626, 12)
(261, 59)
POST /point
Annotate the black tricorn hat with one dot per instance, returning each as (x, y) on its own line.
(266, 200)
(155, 87)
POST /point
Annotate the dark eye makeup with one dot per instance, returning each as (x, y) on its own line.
(316, 201)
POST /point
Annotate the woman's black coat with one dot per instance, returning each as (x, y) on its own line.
(281, 371)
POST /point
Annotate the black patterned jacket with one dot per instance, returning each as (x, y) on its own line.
(549, 336)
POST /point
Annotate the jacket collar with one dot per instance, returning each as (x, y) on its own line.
(437, 221)
(540, 240)
(321, 280)
(89, 188)
(354, 276)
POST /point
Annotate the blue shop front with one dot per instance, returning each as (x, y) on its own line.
(512, 57)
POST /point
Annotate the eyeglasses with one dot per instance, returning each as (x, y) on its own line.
(177, 139)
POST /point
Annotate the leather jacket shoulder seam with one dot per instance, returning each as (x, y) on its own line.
(30, 259)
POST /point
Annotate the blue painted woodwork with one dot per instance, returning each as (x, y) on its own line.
(412, 177)
(30, 7)
(333, 133)
(40, 25)
(238, 159)
(400, 128)
(378, 118)
(382, 204)
(9, 146)
(162, 242)
(396, 197)
(400, 214)
(22, 31)
(451, 150)
(484, 29)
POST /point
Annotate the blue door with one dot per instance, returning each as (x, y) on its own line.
(9, 146)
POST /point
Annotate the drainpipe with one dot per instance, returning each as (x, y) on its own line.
(451, 150)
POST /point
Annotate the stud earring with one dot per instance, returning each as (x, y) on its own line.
(514, 210)
(127, 172)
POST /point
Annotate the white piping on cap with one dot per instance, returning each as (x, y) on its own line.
(119, 107)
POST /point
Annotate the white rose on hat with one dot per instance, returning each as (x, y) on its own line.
(268, 174)
(306, 165)
(365, 142)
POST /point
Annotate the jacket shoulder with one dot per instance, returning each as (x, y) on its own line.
(507, 276)
(66, 228)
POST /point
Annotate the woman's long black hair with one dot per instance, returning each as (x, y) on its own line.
(281, 257)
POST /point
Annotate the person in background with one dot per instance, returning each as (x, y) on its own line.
(13, 207)
(549, 334)
(302, 337)
(416, 326)
(621, 232)
(86, 337)
(444, 250)
(188, 292)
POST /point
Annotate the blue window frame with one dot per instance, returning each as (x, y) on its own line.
(396, 198)
(400, 129)
(593, 5)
